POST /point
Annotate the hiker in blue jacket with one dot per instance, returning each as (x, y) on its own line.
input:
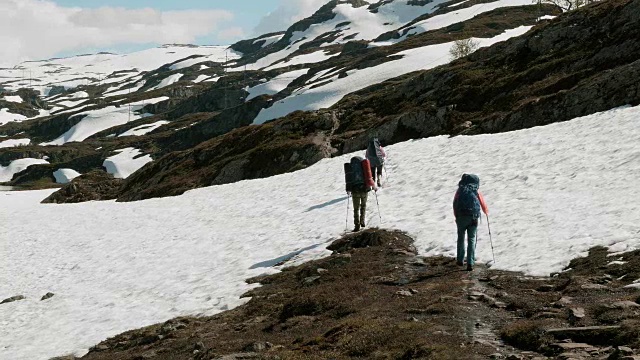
(467, 204)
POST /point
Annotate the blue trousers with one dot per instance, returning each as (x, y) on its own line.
(468, 225)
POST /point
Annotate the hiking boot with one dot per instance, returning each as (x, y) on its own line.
(362, 223)
(459, 263)
(357, 228)
(469, 267)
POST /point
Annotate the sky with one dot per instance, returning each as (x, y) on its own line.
(41, 29)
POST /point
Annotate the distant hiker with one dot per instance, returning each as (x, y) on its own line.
(467, 205)
(376, 156)
(359, 182)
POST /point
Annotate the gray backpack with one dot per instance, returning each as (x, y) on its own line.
(374, 153)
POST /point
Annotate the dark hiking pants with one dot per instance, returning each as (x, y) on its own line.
(467, 225)
(376, 172)
(359, 207)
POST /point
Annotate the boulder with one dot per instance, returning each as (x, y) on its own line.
(12, 299)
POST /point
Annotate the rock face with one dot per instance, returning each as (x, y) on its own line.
(93, 186)
(250, 46)
(245, 153)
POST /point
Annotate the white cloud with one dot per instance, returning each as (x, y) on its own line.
(36, 29)
(287, 13)
(231, 33)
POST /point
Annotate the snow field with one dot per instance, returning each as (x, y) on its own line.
(553, 192)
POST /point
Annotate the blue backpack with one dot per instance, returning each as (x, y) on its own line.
(467, 202)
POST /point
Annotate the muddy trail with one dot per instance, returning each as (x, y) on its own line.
(375, 298)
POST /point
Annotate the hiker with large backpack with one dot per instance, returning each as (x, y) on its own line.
(467, 204)
(359, 182)
(376, 156)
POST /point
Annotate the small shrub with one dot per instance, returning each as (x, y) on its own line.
(462, 48)
(416, 352)
(304, 307)
(566, 5)
(525, 335)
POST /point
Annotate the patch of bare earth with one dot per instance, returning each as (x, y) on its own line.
(374, 298)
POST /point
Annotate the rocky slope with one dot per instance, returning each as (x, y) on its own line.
(189, 95)
(191, 115)
(560, 70)
(374, 298)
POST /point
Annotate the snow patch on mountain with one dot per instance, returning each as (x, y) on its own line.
(143, 129)
(64, 176)
(7, 117)
(95, 121)
(314, 57)
(269, 40)
(12, 98)
(70, 104)
(16, 166)
(14, 142)
(139, 85)
(201, 78)
(126, 162)
(276, 84)
(169, 80)
(78, 95)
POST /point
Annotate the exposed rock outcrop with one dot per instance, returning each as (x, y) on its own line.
(93, 186)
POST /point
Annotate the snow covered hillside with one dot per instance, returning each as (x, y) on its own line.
(553, 192)
(339, 22)
(326, 90)
(94, 69)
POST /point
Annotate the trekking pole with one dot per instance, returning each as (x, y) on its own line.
(380, 216)
(490, 239)
(384, 166)
(346, 220)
